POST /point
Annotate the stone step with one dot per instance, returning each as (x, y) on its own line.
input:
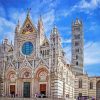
(6, 98)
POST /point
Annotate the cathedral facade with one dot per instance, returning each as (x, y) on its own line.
(34, 64)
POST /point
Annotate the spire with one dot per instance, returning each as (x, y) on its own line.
(40, 17)
(55, 30)
(40, 22)
(77, 22)
(17, 27)
(41, 30)
(28, 12)
(18, 24)
(5, 40)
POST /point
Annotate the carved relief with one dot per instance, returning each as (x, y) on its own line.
(12, 77)
(27, 75)
(43, 76)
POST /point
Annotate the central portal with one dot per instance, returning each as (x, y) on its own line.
(26, 90)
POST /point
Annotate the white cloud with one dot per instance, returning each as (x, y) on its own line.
(6, 27)
(48, 19)
(6, 23)
(81, 6)
(93, 27)
(66, 40)
(89, 5)
(51, 3)
(16, 15)
(92, 53)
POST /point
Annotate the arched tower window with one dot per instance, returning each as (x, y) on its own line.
(91, 85)
(76, 57)
(77, 63)
(80, 83)
(41, 52)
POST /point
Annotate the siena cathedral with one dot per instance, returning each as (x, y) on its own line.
(36, 65)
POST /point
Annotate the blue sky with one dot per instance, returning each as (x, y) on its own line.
(61, 13)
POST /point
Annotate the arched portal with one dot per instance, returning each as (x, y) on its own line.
(11, 83)
(26, 81)
(98, 90)
(42, 80)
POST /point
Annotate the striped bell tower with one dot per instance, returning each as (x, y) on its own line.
(77, 47)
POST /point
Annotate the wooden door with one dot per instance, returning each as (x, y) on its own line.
(12, 89)
(43, 89)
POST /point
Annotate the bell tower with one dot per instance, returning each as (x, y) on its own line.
(77, 47)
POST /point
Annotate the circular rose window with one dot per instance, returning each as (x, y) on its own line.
(27, 48)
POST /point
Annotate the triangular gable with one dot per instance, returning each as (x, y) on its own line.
(28, 27)
(11, 66)
(45, 42)
(25, 64)
(42, 62)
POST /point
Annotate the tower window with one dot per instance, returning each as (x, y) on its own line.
(77, 36)
(41, 52)
(76, 56)
(77, 50)
(77, 29)
(76, 43)
(80, 83)
(91, 85)
(77, 63)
